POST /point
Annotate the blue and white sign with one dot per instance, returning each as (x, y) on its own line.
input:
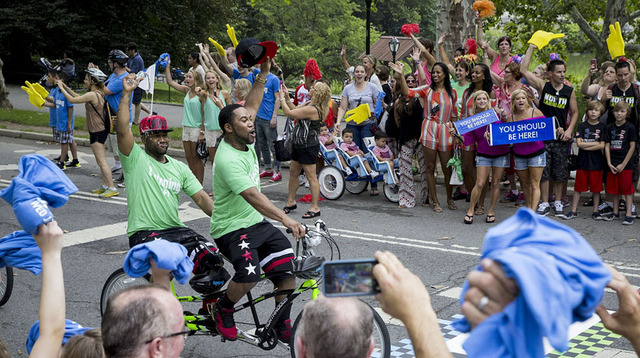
(476, 121)
(542, 128)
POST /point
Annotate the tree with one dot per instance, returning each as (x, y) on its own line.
(457, 19)
(4, 94)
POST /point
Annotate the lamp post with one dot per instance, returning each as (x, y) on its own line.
(368, 36)
(394, 44)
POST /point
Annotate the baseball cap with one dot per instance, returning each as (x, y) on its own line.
(250, 52)
(153, 124)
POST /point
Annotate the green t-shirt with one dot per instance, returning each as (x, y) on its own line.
(459, 90)
(191, 112)
(234, 171)
(153, 190)
(211, 113)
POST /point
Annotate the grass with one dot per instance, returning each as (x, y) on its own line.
(163, 93)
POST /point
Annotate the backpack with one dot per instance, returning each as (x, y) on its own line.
(108, 115)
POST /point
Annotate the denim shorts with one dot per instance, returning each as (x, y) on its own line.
(499, 162)
(539, 161)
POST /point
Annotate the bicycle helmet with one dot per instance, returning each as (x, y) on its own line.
(119, 57)
(210, 282)
(201, 150)
(205, 261)
(96, 74)
(307, 267)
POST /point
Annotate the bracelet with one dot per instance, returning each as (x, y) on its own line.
(260, 79)
(201, 132)
(282, 99)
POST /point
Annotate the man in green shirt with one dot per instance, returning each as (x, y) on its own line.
(237, 225)
(154, 182)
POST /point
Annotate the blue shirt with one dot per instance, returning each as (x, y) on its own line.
(251, 76)
(62, 112)
(52, 111)
(136, 64)
(269, 100)
(114, 84)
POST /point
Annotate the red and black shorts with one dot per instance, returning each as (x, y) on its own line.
(260, 246)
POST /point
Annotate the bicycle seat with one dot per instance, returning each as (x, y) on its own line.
(307, 267)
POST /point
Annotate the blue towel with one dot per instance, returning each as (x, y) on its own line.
(71, 329)
(561, 279)
(20, 250)
(167, 255)
(40, 185)
(377, 112)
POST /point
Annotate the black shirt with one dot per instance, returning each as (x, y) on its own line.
(590, 133)
(556, 103)
(619, 95)
(619, 139)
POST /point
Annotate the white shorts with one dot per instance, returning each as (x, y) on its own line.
(212, 138)
(190, 134)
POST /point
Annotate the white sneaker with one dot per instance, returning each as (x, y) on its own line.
(349, 171)
(558, 208)
(302, 179)
(374, 173)
(543, 209)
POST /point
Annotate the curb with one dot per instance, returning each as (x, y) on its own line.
(79, 141)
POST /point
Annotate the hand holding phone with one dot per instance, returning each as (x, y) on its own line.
(349, 278)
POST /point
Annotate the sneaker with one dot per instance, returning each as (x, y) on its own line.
(374, 174)
(622, 205)
(225, 324)
(306, 184)
(276, 177)
(509, 198)
(588, 202)
(119, 179)
(100, 190)
(605, 209)
(612, 216)
(459, 194)
(283, 331)
(565, 202)
(73, 164)
(628, 220)
(116, 167)
(543, 209)
(570, 215)
(121, 185)
(109, 193)
(559, 209)
(633, 210)
(61, 165)
(597, 216)
(301, 179)
(520, 201)
(56, 159)
(266, 174)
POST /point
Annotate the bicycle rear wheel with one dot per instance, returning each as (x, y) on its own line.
(380, 336)
(6, 284)
(117, 282)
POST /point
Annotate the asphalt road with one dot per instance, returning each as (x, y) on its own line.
(439, 248)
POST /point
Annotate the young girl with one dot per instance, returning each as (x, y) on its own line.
(620, 144)
(590, 140)
(327, 139)
(192, 118)
(489, 160)
(383, 152)
(214, 98)
(352, 149)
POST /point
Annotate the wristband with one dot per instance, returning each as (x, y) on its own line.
(260, 79)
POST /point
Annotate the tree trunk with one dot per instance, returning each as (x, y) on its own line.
(4, 93)
(457, 19)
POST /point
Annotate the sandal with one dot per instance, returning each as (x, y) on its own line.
(490, 219)
(468, 219)
(436, 207)
(310, 214)
(288, 209)
(479, 210)
(451, 204)
(374, 192)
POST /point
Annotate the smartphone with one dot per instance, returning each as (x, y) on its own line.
(594, 63)
(349, 278)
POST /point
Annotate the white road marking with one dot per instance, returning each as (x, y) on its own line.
(453, 292)
(9, 167)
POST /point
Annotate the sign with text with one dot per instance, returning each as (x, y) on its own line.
(476, 121)
(535, 129)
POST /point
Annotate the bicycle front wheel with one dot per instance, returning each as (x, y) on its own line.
(6, 284)
(380, 336)
(117, 282)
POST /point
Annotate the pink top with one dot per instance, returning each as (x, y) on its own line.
(324, 139)
(528, 149)
(384, 152)
(349, 147)
(496, 69)
(484, 149)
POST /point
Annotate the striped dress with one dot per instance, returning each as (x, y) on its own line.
(435, 129)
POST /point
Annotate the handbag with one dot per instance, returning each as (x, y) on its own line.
(282, 145)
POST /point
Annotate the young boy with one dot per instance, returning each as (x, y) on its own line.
(620, 144)
(590, 140)
(352, 149)
(383, 152)
(65, 120)
(327, 139)
(52, 77)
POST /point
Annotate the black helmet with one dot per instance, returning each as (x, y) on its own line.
(210, 282)
(119, 57)
(201, 150)
(307, 267)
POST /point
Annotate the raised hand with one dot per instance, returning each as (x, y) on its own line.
(343, 52)
(415, 54)
(129, 83)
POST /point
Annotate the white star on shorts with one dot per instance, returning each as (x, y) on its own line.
(251, 269)
(244, 245)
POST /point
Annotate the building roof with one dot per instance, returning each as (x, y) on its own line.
(380, 49)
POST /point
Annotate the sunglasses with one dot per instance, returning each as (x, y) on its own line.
(411, 81)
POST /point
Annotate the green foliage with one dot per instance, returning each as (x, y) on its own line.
(35, 118)
(390, 15)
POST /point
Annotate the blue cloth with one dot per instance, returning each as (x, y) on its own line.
(377, 112)
(114, 84)
(20, 250)
(561, 280)
(167, 255)
(62, 112)
(71, 329)
(162, 62)
(39, 185)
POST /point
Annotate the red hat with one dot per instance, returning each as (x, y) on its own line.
(154, 124)
(311, 70)
(250, 52)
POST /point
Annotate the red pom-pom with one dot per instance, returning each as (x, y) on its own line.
(409, 29)
(311, 69)
(471, 47)
(485, 7)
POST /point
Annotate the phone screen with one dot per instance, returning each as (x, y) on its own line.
(594, 62)
(349, 278)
